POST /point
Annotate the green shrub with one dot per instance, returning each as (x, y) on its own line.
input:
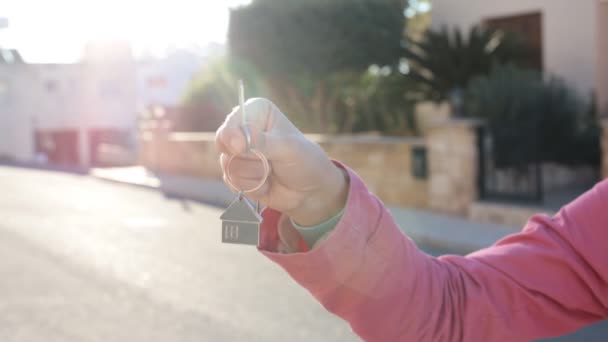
(213, 93)
(349, 101)
(531, 119)
(383, 105)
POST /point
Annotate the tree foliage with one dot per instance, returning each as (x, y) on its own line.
(289, 37)
(380, 103)
(213, 93)
(314, 54)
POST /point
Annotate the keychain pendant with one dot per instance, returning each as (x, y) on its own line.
(241, 223)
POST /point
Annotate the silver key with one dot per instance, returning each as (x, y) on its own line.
(241, 220)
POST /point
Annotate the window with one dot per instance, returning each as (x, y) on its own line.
(51, 86)
(529, 27)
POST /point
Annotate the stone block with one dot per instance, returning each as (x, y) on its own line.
(453, 166)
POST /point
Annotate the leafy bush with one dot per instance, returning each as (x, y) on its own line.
(531, 119)
(354, 102)
(381, 103)
(213, 93)
(217, 83)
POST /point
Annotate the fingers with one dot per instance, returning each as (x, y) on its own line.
(245, 172)
(244, 167)
(230, 137)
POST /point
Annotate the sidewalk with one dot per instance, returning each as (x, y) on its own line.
(439, 231)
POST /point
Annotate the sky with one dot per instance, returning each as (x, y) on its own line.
(55, 31)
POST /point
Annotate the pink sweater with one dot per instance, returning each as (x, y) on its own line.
(548, 280)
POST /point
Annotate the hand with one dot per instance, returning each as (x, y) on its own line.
(303, 182)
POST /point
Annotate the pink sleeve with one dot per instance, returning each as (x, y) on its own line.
(550, 279)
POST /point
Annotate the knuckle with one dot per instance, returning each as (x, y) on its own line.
(256, 101)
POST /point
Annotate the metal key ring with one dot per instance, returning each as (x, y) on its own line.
(264, 179)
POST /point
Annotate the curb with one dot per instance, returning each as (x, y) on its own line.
(178, 187)
(104, 176)
(122, 182)
(452, 234)
(45, 167)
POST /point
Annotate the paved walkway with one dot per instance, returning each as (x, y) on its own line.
(440, 231)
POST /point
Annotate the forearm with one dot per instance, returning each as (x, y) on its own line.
(320, 213)
(362, 272)
(543, 281)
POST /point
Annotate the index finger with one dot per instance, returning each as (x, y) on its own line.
(230, 137)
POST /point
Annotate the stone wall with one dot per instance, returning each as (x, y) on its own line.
(453, 165)
(185, 154)
(384, 163)
(605, 148)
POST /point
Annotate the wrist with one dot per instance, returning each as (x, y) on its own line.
(326, 202)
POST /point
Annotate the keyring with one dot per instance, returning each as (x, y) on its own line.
(264, 179)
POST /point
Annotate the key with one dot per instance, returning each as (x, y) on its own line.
(241, 220)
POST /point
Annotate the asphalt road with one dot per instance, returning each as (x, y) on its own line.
(85, 260)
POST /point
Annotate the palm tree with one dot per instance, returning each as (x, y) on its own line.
(443, 63)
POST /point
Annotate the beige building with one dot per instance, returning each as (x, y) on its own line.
(570, 37)
(64, 112)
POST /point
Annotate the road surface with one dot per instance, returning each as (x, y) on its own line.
(86, 260)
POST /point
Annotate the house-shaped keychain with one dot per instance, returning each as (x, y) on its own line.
(241, 223)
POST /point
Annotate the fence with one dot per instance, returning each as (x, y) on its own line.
(507, 182)
(520, 177)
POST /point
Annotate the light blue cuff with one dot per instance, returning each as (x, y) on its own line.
(312, 234)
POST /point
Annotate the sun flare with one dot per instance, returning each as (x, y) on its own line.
(48, 31)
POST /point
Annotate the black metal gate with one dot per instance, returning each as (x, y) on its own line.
(513, 182)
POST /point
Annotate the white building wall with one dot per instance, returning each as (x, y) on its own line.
(51, 97)
(109, 95)
(52, 94)
(569, 31)
(16, 137)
